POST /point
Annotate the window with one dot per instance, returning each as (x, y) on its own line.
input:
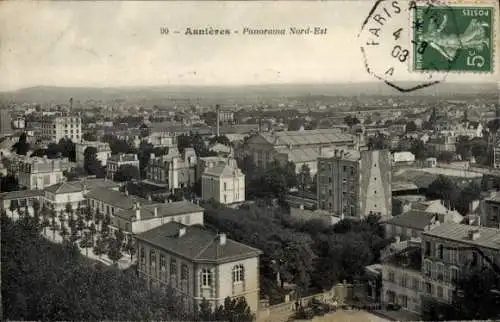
(404, 280)
(152, 261)
(225, 186)
(428, 288)
(184, 272)
(143, 256)
(441, 251)
(427, 248)
(206, 278)
(475, 259)
(453, 274)
(440, 271)
(427, 268)
(238, 273)
(391, 276)
(415, 284)
(440, 292)
(173, 270)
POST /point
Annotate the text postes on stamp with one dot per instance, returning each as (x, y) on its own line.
(453, 38)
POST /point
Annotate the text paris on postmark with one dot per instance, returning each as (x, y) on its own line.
(414, 44)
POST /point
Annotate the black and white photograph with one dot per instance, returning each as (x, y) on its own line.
(240, 161)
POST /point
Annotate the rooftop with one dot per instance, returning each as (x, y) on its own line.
(412, 219)
(300, 155)
(307, 137)
(197, 244)
(77, 186)
(116, 198)
(228, 169)
(488, 237)
(123, 157)
(20, 194)
(162, 209)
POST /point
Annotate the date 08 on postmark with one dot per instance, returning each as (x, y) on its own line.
(453, 38)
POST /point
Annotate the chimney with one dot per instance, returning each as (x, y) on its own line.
(217, 109)
(152, 156)
(474, 234)
(222, 239)
(126, 191)
(138, 213)
(156, 211)
(135, 157)
(182, 231)
(149, 197)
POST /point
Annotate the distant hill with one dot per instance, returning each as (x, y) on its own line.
(61, 94)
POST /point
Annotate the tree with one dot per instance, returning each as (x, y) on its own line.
(478, 297)
(446, 156)
(233, 310)
(9, 183)
(295, 124)
(411, 126)
(378, 142)
(114, 250)
(89, 136)
(126, 173)
(221, 139)
(91, 164)
(130, 247)
(397, 207)
(445, 189)
(351, 121)
(22, 146)
(67, 149)
(304, 178)
(100, 247)
(59, 284)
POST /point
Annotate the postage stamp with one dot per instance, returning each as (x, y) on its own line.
(453, 38)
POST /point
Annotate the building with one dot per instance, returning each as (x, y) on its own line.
(207, 163)
(402, 280)
(5, 121)
(405, 157)
(355, 183)
(265, 147)
(74, 192)
(490, 211)
(53, 128)
(142, 218)
(410, 225)
(38, 173)
(198, 263)
(21, 198)
(116, 161)
(174, 169)
(224, 183)
(103, 151)
(449, 250)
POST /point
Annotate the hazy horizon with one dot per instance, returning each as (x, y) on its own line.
(118, 44)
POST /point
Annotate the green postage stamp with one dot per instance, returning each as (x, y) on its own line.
(453, 38)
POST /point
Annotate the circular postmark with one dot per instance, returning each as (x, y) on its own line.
(397, 36)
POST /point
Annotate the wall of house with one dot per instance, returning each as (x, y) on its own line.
(404, 233)
(234, 189)
(195, 218)
(60, 200)
(402, 286)
(249, 288)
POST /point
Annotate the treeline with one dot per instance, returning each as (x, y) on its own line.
(46, 281)
(311, 254)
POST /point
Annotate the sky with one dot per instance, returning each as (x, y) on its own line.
(119, 44)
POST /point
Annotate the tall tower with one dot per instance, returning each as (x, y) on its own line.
(217, 109)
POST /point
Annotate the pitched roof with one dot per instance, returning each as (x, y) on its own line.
(307, 137)
(163, 210)
(488, 237)
(77, 186)
(21, 194)
(300, 155)
(198, 244)
(116, 198)
(228, 169)
(412, 219)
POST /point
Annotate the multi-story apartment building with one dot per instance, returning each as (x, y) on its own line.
(355, 183)
(38, 173)
(174, 169)
(402, 279)
(224, 183)
(198, 264)
(449, 250)
(103, 151)
(116, 161)
(53, 128)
